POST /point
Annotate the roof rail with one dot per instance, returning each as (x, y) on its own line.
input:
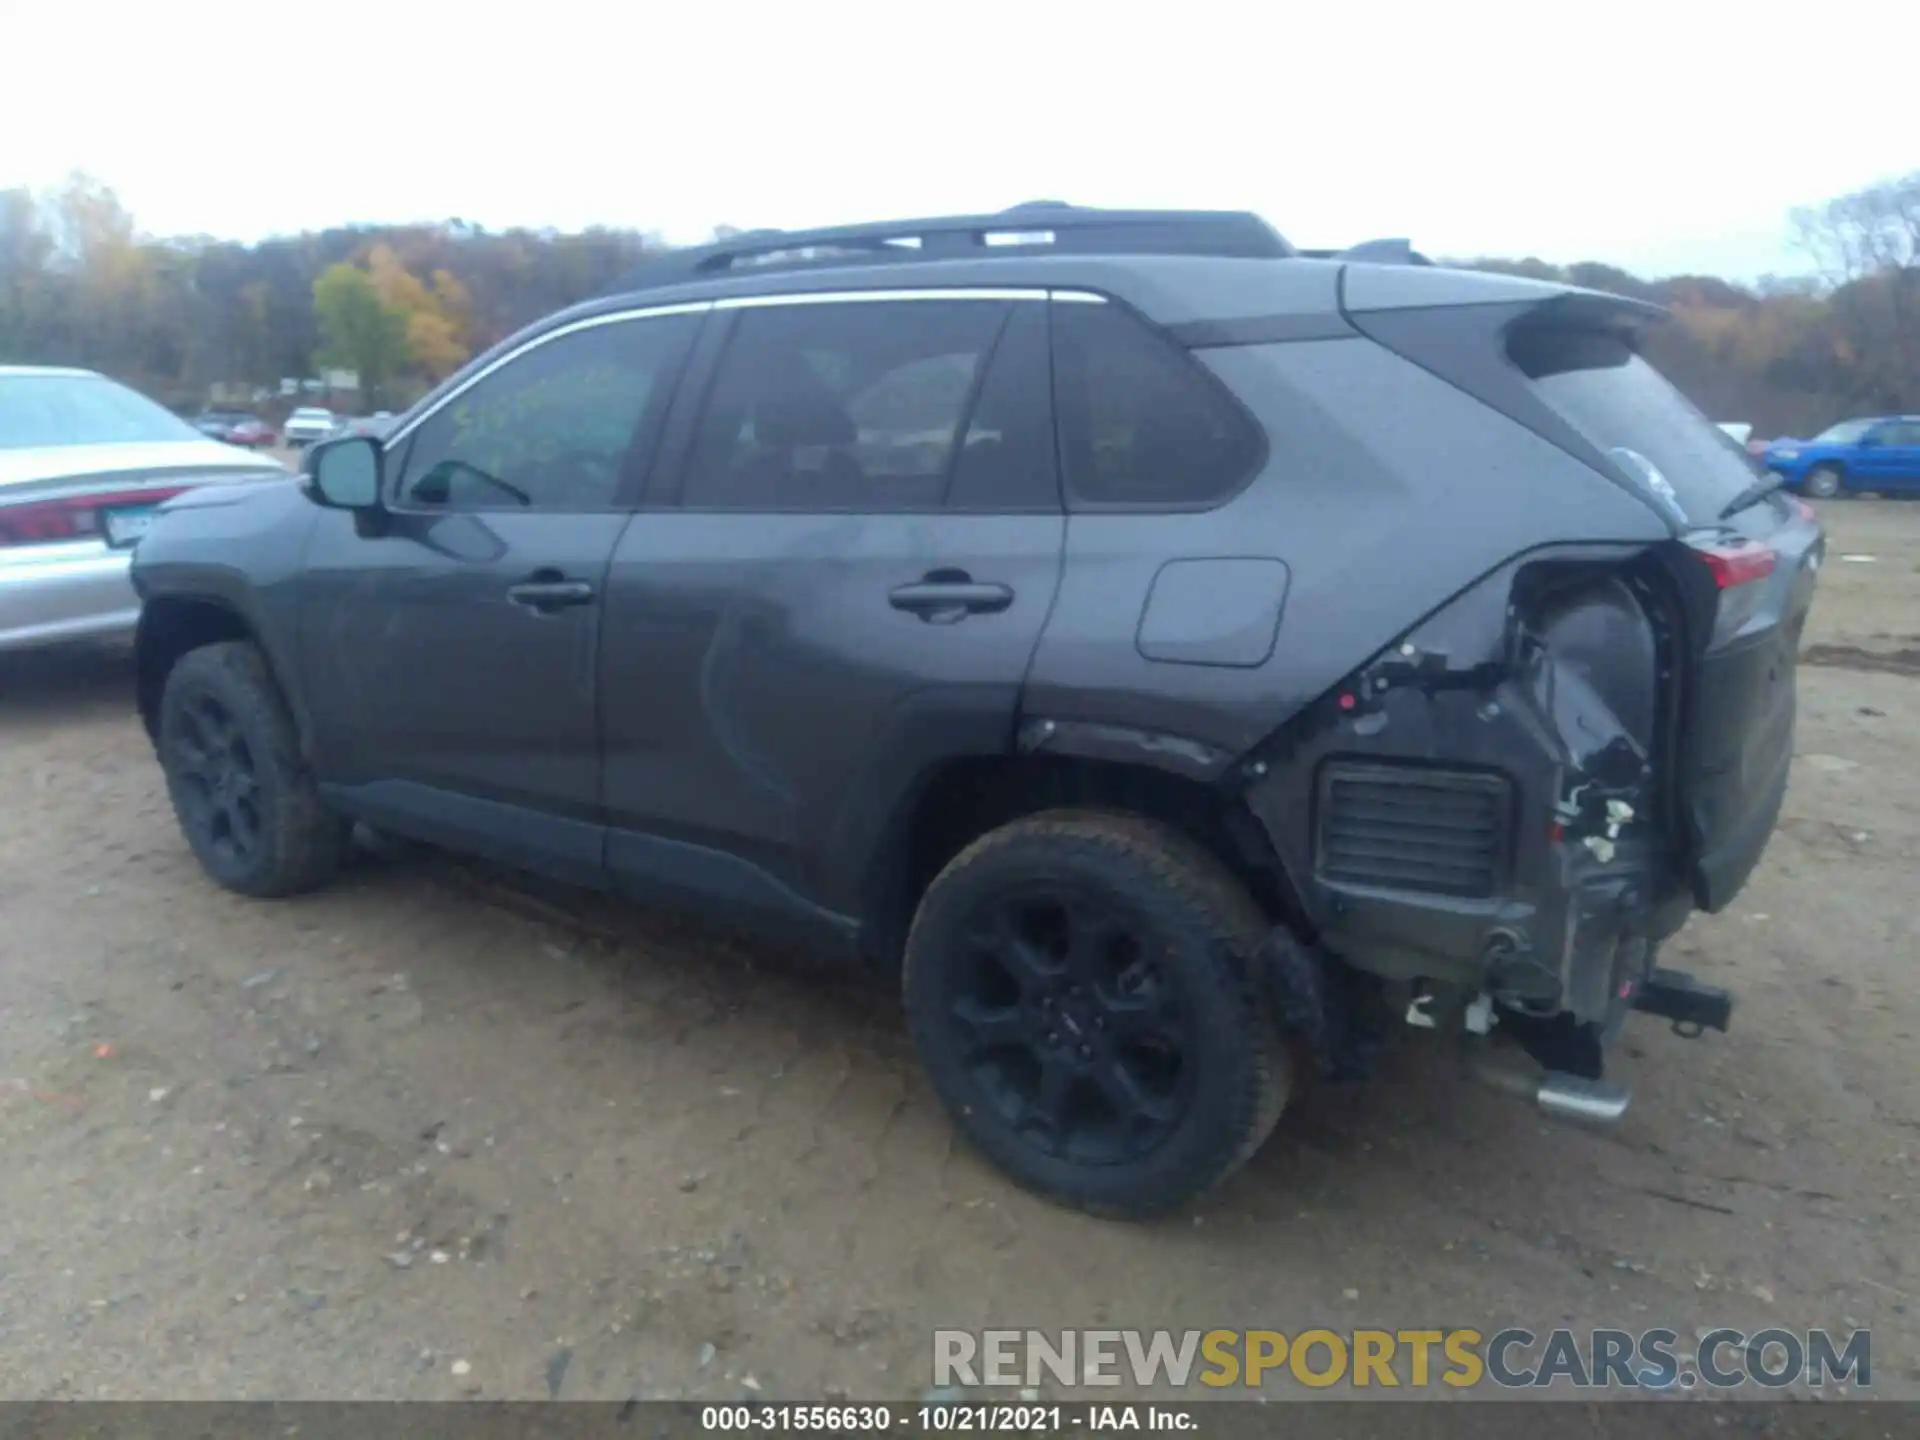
(1036, 227)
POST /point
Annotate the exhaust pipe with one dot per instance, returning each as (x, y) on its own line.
(1593, 1103)
(1585, 1102)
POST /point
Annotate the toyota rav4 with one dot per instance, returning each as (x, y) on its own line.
(1171, 653)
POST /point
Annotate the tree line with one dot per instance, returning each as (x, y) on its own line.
(405, 305)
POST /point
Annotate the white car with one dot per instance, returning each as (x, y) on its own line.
(307, 426)
(84, 463)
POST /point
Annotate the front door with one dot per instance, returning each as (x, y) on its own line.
(845, 587)
(452, 655)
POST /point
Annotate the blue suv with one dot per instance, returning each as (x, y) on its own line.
(1880, 454)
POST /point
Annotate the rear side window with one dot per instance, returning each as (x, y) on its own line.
(1596, 382)
(1140, 422)
(841, 406)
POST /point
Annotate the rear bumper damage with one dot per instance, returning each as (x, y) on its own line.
(1484, 835)
(1339, 1021)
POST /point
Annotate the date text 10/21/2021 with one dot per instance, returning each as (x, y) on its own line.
(948, 1418)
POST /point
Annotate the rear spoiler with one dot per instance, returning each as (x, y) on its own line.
(1374, 252)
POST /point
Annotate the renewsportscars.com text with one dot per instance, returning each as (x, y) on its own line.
(1461, 1358)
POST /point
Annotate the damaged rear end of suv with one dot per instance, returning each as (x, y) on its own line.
(1498, 818)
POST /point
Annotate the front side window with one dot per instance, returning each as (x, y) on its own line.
(1847, 432)
(553, 429)
(850, 405)
(1140, 423)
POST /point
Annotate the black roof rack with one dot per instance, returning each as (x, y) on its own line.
(1037, 227)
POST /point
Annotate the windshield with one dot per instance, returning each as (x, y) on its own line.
(1845, 433)
(37, 410)
(1598, 383)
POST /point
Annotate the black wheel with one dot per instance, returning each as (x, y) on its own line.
(245, 799)
(1822, 482)
(1077, 984)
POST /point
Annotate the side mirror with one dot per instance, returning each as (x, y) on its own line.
(1868, 441)
(344, 474)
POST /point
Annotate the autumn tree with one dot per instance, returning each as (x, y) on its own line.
(436, 313)
(1868, 246)
(360, 331)
(79, 284)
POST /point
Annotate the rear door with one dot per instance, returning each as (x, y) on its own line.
(451, 656)
(841, 586)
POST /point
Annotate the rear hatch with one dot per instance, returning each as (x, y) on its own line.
(1743, 565)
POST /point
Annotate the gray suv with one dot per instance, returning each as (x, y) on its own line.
(1184, 660)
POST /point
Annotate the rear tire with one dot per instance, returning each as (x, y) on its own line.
(1078, 984)
(245, 800)
(1823, 482)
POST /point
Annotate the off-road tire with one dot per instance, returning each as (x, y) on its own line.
(300, 843)
(1205, 927)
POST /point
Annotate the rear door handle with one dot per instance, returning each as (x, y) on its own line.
(945, 596)
(545, 595)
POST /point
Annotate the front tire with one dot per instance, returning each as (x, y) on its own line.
(1079, 986)
(245, 800)
(1823, 482)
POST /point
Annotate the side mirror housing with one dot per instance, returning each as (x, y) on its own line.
(344, 474)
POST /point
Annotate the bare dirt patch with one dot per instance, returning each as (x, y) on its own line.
(332, 1146)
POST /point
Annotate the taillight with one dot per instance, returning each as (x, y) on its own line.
(69, 517)
(1737, 562)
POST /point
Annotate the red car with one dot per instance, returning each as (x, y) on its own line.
(251, 433)
(234, 427)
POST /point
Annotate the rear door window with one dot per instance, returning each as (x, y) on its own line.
(853, 405)
(1599, 384)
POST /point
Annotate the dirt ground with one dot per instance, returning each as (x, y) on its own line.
(413, 1137)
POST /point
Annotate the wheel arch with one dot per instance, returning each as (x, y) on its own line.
(172, 626)
(954, 802)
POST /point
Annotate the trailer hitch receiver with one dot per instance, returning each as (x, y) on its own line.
(1692, 1006)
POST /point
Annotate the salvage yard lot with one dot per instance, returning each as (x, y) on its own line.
(421, 1135)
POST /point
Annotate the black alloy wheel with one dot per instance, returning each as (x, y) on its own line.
(1079, 986)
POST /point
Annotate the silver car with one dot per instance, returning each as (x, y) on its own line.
(84, 463)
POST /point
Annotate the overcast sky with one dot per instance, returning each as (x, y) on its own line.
(1654, 136)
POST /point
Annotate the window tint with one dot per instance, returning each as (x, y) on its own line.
(1901, 432)
(849, 406)
(1598, 384)
(553, 429)
(1140, 423)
